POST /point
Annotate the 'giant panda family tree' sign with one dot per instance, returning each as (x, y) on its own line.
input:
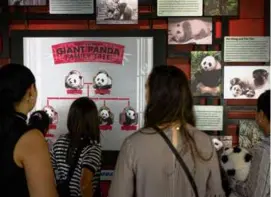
(111, 71)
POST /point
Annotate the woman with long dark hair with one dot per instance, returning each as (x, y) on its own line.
(25, 161)
(146, 165)
(83, 139)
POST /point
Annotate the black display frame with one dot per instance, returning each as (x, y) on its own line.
(159, 53)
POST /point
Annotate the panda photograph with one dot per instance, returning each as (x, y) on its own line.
(206, 73)
(74, 80)
(27, 2)
(51, 112)
(190, 31)
(106, 117)
(102, 82)
(245, 82)
(128, 117)
(117, 12)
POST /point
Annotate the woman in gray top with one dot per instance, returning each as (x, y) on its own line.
(146, 166)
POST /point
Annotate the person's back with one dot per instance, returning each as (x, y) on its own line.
(25, 163)
(146, 166)
(9, 169)
(159, 174)
(84, 136)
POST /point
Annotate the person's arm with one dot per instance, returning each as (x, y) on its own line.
(257, 183)
(214, 182)
(122, 184)
(31, 152)
(91, 164)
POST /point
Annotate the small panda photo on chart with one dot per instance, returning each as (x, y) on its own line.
(74, 80)
(245, 82)
(206, 73)
(102, 82)
(197, 31)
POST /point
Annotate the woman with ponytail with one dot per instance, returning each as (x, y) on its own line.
(25, 162)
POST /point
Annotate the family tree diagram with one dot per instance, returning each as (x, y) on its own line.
(101, 85)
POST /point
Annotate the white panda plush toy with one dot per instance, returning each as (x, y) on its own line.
(236, 162)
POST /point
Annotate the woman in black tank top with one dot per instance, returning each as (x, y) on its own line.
(25, 163)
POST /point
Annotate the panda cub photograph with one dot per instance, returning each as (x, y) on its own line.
(51, 112)
(245, 82)
(106, 117)
(102, 82)
(74, 80)
(190, 31)
(128, 117)
(206, 73)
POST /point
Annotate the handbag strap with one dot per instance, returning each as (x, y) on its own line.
(179, 158)
(74, 162)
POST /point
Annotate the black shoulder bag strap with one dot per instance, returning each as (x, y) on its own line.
(179, 158)
(74, 162)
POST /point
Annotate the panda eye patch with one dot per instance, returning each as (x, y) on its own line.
(102, 80)
(236, 150)
(248, 157)
(204, 63)
(178, 32)
(224, 158)
(210, 64)
(178, 25)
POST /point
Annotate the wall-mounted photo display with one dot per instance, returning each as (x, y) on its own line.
(250, 133)
(179, 8)
(246, 49)
(206, 73)
(245, 82)
(71, 7)
(209, 117)
(221, 7)
(117, 12)
(27, 2)
(190, 31)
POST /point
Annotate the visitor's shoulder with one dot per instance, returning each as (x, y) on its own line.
(139, 134)
(202, 140)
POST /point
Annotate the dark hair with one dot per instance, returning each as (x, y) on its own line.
(170, 101)
(83, 124)
(263, 104)
(39, 120)
(15, 79)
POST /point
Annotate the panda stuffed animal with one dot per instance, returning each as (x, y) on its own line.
(74, 80)
(247, 87)
(208, 79)
(102, 80)
(106, 117)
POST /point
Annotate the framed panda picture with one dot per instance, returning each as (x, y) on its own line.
(206, 73)
(108, 67)
(197, 31)
(245, 82)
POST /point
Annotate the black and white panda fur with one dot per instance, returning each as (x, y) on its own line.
(247, 87)
(189, 29)
(106, 117)
(236, 163)
(209, 76)
(130, 116)
(51, 112)
(102, 80)
(74, 80)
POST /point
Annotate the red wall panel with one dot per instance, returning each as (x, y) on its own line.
(251, 9)
(246, 27)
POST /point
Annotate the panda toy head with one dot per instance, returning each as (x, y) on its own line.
(217, 144)
(209, 63)
(236, 162)
(102, 80)
(74, 80)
